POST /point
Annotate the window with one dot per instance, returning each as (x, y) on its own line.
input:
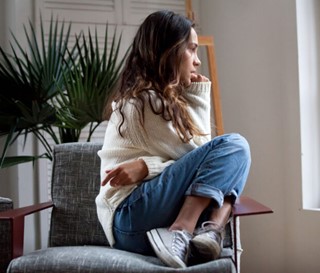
(308, 27)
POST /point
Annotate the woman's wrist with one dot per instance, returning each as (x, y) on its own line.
(143, 167)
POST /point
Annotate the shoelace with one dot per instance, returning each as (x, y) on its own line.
(180, 243)
(213, 230)
(210, 226)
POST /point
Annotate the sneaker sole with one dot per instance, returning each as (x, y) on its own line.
(161, 251)
(209, 250)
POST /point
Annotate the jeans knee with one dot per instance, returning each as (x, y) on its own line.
(243, 148)
(237, 145)
(239, 161)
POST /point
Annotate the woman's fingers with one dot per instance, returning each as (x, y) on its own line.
(110, 175)
(126, 173)
(198, 78)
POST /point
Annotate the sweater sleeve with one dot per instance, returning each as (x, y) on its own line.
(155, 165)
(198, 95)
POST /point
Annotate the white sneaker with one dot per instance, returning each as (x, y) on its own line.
(171, 247)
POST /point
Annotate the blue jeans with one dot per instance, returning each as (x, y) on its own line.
(217, 169)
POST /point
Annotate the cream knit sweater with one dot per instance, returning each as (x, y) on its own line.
(158, 145)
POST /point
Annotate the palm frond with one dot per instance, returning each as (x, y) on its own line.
(89, 81)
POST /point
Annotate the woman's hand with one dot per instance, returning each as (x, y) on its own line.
(198, 78)
(126, 174)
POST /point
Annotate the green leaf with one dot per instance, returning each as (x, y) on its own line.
(10, 161)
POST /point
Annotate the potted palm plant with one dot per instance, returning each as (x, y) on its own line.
(55, 89)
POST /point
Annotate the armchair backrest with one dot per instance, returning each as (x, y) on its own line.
(75, 185)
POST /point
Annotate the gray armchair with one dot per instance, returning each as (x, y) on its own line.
(76, 240)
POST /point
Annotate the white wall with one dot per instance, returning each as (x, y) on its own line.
(256, 48)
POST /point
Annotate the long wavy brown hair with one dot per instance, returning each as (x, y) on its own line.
(153, 64)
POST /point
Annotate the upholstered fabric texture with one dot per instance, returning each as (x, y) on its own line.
(5, 234)
(98, 259)
(75, 185)
(77, 242)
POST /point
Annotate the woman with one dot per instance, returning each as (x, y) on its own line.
(166, 185)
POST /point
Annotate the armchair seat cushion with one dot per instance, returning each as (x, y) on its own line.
(100, 259)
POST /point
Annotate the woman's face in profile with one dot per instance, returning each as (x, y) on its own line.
(190, 60)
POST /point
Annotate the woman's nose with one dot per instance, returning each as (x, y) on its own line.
(196, 61)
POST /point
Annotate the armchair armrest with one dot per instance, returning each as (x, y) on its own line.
(245, 206)
(248, 206)
(16, 218)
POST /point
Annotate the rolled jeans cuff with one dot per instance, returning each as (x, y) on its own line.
(205, 190)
